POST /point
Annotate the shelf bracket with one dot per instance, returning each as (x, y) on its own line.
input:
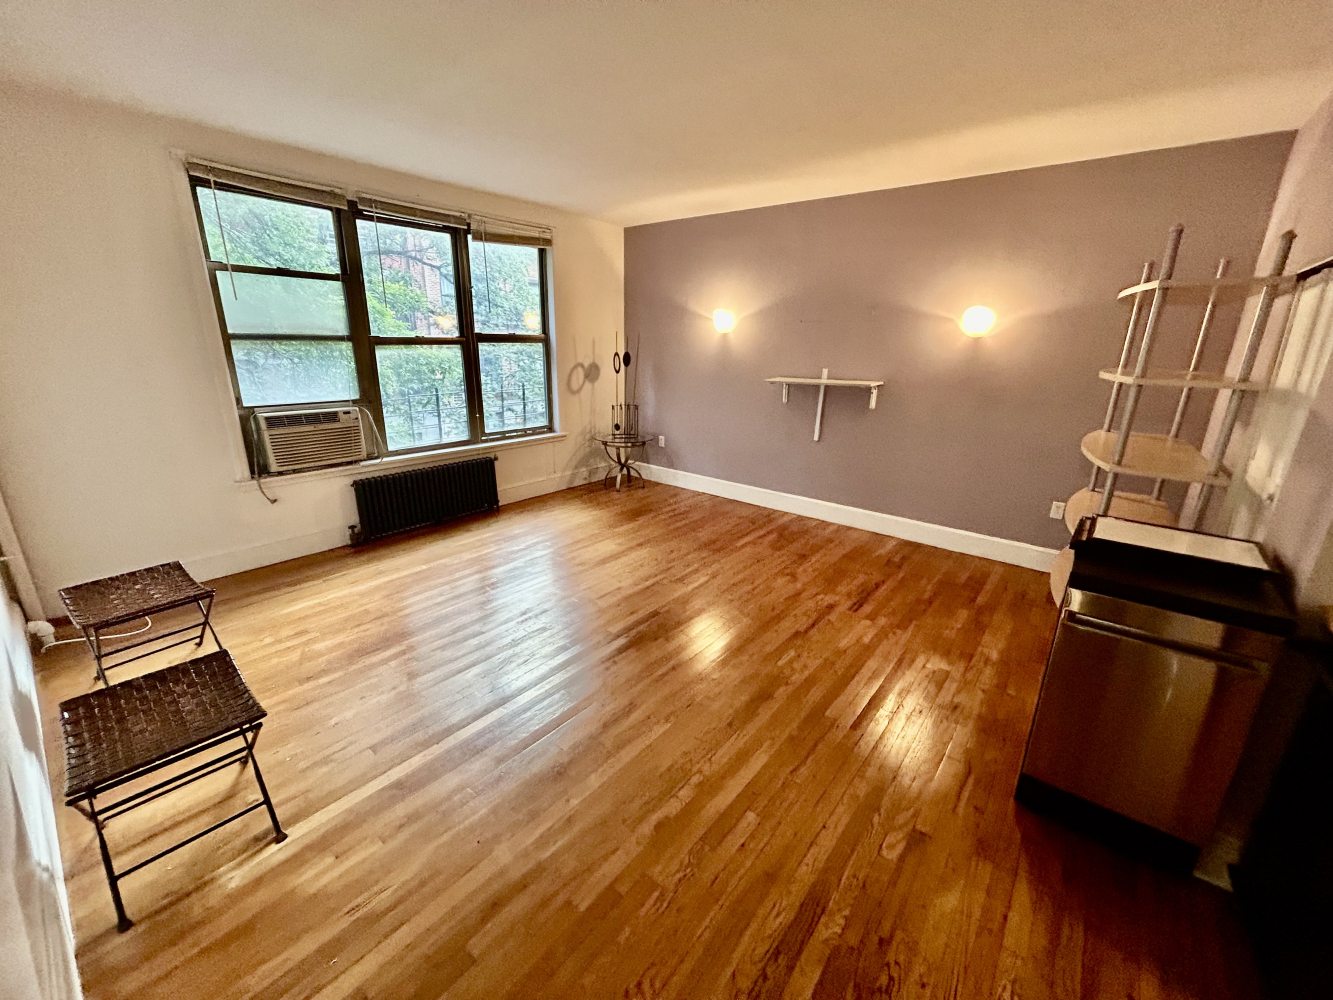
(819, 408)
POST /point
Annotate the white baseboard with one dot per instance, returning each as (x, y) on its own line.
(267, 553)
(264, 554)
(954, 539)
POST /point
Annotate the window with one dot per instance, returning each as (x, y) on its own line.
(508, 303)
(440, 335)
(418, 341)
(281, 298)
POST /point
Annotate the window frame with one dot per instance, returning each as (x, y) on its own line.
(245, 412)
(458, 238)
(543, 338)
(351, 275)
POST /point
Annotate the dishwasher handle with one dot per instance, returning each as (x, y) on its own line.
(1115, 630)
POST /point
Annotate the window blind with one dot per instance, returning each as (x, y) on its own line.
(494, 229)
(388, 209)
(266, 183)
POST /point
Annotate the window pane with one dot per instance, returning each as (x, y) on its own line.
(513, 386)
(267, 303)
(506, 288)
(294, 371)
(422, 390)
(263, 232)
(409, 280)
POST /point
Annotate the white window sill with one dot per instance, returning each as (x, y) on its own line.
(401, 463)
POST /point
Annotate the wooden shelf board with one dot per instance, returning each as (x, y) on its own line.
(1061, 566)
(1181, 378)
(802, 380)
(1283, 283)
(823, 381)
(1130, 506)
(1152, 456)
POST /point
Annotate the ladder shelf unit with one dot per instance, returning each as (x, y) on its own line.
(1181, 378)
(1116, 449)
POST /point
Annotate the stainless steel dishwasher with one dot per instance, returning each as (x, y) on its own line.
(1159, 661)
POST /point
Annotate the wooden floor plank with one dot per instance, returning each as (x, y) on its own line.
(647, 744)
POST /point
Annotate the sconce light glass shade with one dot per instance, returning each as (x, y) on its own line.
(724, 320)
(977, 321)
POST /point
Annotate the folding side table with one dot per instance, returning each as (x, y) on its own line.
(101, 605)
(129, 730)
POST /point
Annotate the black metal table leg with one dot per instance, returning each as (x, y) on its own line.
(279, 834)
(243, 756)
(123, 922)
(207, 612)
(94, 641)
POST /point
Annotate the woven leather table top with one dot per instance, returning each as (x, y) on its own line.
(117, 730)
(126, 596)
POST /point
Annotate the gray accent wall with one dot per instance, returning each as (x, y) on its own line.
(974, 434)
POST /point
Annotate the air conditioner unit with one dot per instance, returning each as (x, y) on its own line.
(307, 439)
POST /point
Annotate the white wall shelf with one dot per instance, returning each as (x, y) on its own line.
(823, 381)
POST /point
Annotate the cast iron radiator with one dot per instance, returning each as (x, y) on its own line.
(413, 499)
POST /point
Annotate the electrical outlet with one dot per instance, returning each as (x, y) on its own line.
(1057, 510)
(661, 440)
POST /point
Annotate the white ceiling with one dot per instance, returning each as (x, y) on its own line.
(634, 110)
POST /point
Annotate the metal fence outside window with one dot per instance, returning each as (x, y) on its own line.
(422, 418)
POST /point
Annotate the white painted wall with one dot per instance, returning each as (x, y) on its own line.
(36, 941)
(119, 443)
(1298, 523)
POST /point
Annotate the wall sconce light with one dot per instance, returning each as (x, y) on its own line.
(977, 321)
(724, 320)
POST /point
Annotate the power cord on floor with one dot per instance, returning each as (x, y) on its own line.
(118, 635)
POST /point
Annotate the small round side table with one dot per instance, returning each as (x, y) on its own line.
(620, 449)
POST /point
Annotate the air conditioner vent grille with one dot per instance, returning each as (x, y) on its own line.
(300, 419)
(311, 438)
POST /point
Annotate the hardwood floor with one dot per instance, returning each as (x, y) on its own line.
(649, 744)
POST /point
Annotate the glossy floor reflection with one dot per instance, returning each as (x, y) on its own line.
(646, 744)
